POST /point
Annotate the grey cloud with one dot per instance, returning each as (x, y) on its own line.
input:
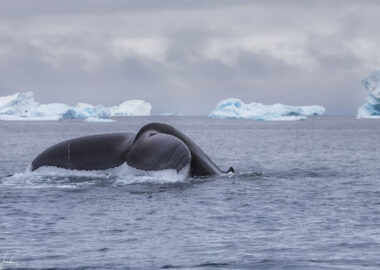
(22, 8)
(63, 52)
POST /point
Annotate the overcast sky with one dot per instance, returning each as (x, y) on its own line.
(185, 56)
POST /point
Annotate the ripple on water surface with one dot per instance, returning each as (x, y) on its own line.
(305, 196)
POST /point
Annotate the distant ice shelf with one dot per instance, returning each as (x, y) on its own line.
(371, 109)
(233, 108)
(23, 107)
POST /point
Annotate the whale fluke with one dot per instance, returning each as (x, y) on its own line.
(156, 146)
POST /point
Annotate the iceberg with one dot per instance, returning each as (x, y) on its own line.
(133, 107)
(371, 109)
(84, 111)
(22, 107)
(233, 108)
(19, 104)
(312, 110)
(52, 110)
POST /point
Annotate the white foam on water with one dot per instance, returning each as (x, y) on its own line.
(130, 175)
(46, 177)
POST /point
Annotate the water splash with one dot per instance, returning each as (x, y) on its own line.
(53, 177)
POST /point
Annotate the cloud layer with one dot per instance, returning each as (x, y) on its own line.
(185, 57)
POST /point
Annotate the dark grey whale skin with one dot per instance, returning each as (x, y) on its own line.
(156, 146)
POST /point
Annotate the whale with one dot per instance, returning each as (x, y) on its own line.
(156, 146)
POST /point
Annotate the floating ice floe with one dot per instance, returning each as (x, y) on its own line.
(371, 109)
(234, 108)
(21, 107)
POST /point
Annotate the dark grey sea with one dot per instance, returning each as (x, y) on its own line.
(305, 195)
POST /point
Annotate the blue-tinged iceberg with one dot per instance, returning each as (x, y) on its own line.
(233, 108)
(371, 109)
(84, 111)
(22, 106)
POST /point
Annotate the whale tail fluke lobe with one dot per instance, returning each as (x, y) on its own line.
(155, 151)
(230, 170)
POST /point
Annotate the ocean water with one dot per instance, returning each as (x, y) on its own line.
(305, 195)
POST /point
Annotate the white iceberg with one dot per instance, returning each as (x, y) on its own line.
(133, 107)
(371, 109)
(234, 108)
(52, 110)
(21, 106)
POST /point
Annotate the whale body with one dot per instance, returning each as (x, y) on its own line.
(154, 147)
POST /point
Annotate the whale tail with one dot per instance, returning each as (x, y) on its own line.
(230, 169)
